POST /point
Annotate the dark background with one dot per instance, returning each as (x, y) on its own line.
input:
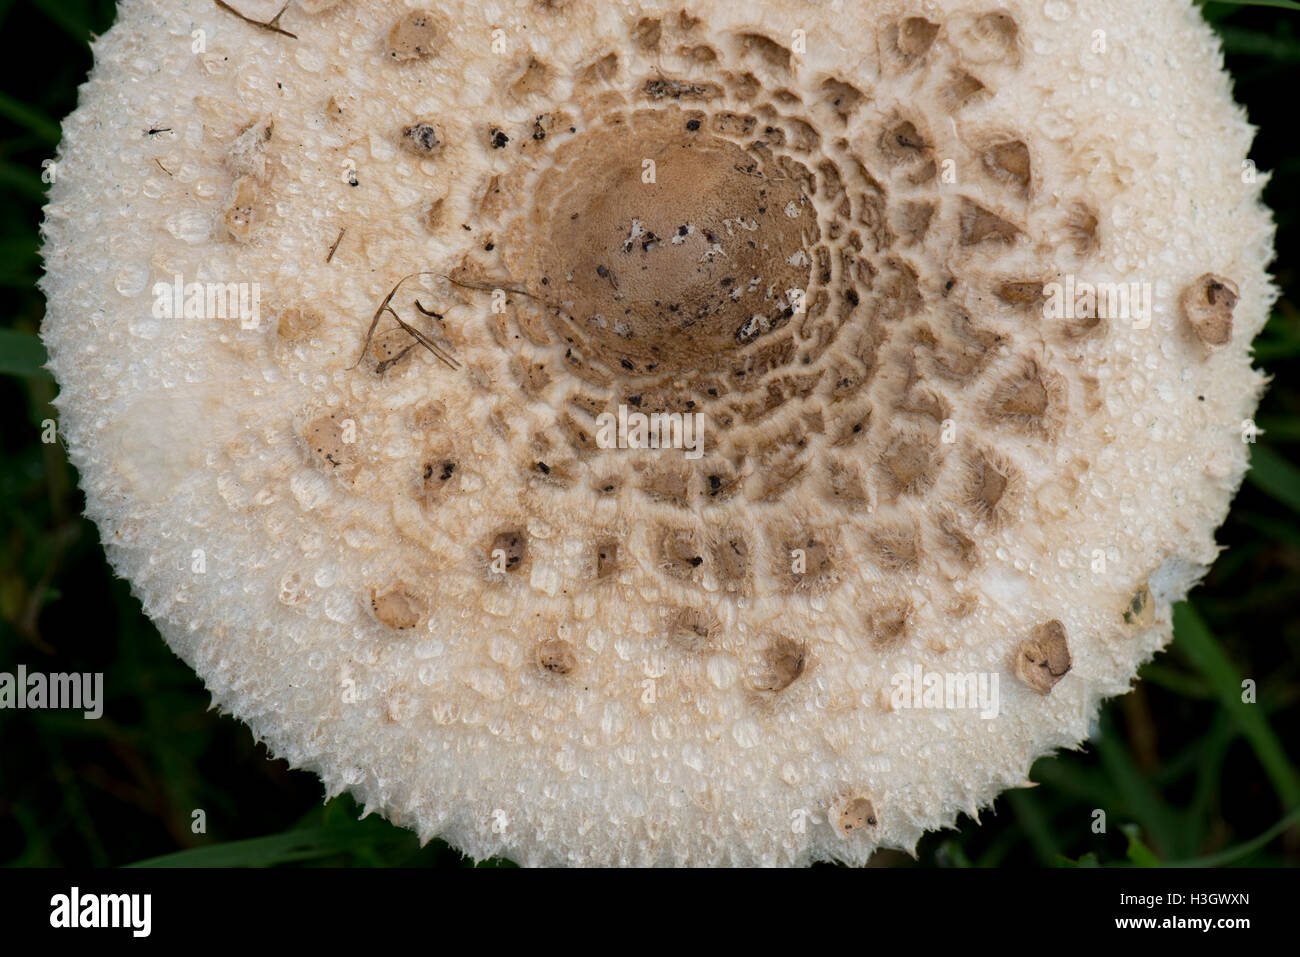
(1184, 771)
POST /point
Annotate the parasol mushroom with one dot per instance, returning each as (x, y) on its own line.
(962, 295)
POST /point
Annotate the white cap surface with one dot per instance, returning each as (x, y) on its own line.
(856, 237)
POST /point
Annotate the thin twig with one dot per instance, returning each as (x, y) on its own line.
(382, 367)
(273, 24)
(489, 287)
(415, 333)
(335, 247)
(438, 353)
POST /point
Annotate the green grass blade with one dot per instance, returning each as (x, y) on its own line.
(301, 844)
(1274, 475)
(21, 354)
(1238, 851)
(1035, 824)
(1139, 854)
(1139, 797)
(29, 118)
(1195, 641)
(23, 180)
(72, 18)
(1284, 4)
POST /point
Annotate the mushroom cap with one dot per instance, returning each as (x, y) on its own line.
(373, 510)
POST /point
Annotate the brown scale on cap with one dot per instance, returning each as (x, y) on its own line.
(604, 558)
(242, 214)
(681, 553)
(298, 323)
(693, 629)
(331, 439)
(981, 226)
(557, 657)
(731, 563)
(1008, 161)
(1028, 398)
(438, 477)
(535, 77)
(1020, 292)
(989, 37)
(909, 463)
(991, 486)
(422, 139)
(845, 485)
(905, 43)
(1140, 610)
(896, 546)
(647, 33)
(1208, 304)
(773, 54)
(397, 608)
(415, 36)
(1044, 657)
(781, 663)
(953, 537)
(842, 97)
(887, 624)
(960, 89)
(854, 814)
(507, 552)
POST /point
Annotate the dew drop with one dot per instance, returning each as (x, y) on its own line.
(131, 280)
(1058, 10)
(144, 328)
(189, 226)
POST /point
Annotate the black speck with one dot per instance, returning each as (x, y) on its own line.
(693, 125)
(498, 138)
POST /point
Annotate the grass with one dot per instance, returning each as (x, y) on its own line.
(1184, 771)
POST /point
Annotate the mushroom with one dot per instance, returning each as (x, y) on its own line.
(590, 418)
